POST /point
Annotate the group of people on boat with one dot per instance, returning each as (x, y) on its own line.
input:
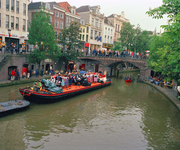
(66, 80)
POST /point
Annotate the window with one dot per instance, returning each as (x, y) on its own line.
(12, 22)
(92, 22)
(73, 11)
(61, 25)
(50, 19)
(86, 38)
(56, 34)
(83, 37)
(7, 21)
(7, 4)
(91, 34)
(67, 21)
(99, 24)
(17, 6)
(61, 15)
(12, 5)
(118, 28)
(96, 23)
(57, 14)
(95, 34)
(24, 9)
(87, 30)
(108, 31)
(0, 19)
(111, 40)
(108, 39)
(47, 6)
(83, 30)
(56, 24)
(99, 34)
(0, 3)
(105, 30)
(105, 39)
(24, 25)
(111, 31)
(80, 37)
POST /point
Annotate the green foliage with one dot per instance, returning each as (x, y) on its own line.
(141, 41)
(69, 38)
(42, 35)
(127, 34)
(134, 39)
(171, 36)
(118, 46)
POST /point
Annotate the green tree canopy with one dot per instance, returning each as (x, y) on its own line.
(69, 39)
(42, 35)
(171, 36)
(127, 34)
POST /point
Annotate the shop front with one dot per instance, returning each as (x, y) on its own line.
(108, 46)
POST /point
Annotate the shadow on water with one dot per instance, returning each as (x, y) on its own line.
(120, 116)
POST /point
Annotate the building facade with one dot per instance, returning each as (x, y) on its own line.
(13, 21)
(70, 13)
(56, 12)
(117, 21)
(108, 36)
(92, 16)
(84, 35)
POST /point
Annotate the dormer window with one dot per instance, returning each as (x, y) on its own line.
(73, 11)
(47, 6)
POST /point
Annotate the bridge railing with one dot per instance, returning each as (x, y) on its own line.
(124, 56)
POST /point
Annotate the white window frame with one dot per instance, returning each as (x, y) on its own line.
(56, 24)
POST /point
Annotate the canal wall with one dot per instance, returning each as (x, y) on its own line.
(169, 93)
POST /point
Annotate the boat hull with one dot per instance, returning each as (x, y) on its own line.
(10, 107)
(50, 98)
(128, 80)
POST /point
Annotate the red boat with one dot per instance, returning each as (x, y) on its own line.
(45, 96)
(128, 80)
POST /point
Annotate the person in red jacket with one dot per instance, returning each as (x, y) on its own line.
(13, 74)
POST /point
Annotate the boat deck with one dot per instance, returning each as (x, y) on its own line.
(74, 87)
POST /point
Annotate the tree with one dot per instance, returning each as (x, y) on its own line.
(171, 36)
(127, 34)
(141, 40)
(42, 35)
(69, 39)
(118, 46)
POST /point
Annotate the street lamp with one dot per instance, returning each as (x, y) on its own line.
(9, 32)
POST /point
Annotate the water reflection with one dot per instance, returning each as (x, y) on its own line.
(120, 116)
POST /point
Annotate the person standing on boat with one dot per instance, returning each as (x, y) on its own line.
(70, 80)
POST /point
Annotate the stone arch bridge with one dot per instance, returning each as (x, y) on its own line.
(112, 62)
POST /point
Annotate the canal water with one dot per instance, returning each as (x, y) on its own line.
(118, 117)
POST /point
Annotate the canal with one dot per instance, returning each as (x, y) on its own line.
(118, 117)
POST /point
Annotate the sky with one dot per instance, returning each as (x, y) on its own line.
(134, 10)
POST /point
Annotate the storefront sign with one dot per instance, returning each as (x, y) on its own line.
(86, 44)
(48, 60)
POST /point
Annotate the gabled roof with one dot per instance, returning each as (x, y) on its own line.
(52, 4)
(66, 6)
(83, 9)
(111, 16)
(35, 5)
